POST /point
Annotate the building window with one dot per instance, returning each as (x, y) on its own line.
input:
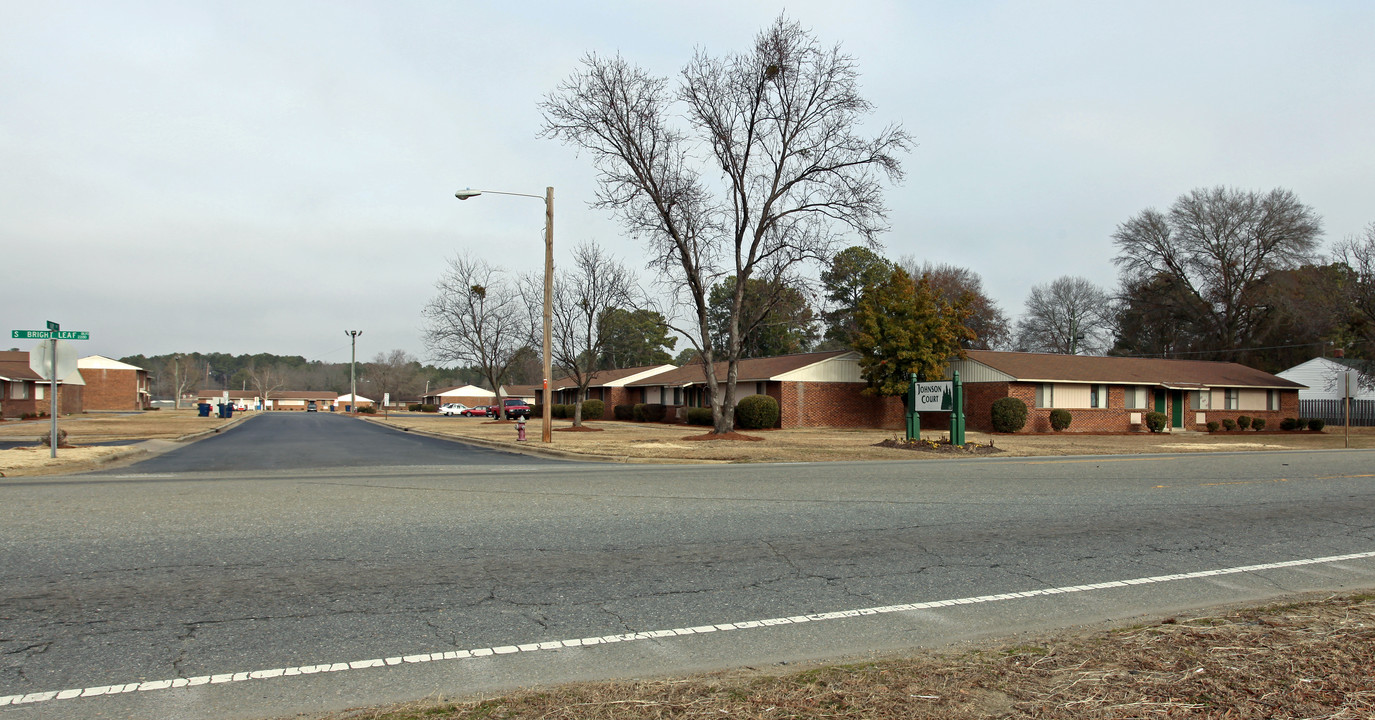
(677, 396)
(1134, 397)
(1231, 401)
(38, 391)
(1045, 395)
(1098, 396)
(19, 391)
(1272, 399)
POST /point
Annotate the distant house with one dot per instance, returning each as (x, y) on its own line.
(291, 400)
(609, 386)
(113, 385)
(812, 389)
(1112, 394)
(468, 395)
(345, 401)
(24, 392)
(1322, 378)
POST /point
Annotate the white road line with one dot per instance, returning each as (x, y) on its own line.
(173, 683)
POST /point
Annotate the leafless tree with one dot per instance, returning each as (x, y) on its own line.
(477, 319)
(1070, 316)
(266, 379)
(1357, 252)
(1218, 245)
(768, 173)
(181, 373)
(392, 373)
(596, 283)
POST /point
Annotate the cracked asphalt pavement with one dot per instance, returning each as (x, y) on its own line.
(295, 539)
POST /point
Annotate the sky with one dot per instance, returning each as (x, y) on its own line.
(250, 176)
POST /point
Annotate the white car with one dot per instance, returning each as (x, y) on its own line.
(452, 408)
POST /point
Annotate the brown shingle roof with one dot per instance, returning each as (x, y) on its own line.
(1044, 367)
(750, 370)
(14, 365)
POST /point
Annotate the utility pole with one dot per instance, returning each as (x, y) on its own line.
(353, 377)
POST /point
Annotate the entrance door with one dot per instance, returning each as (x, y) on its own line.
(1177, 411)
(1160, 401)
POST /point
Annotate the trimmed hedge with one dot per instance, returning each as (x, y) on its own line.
(1155, 421)
(1213, 426)
(1060, 419)
(623, 412)
(1288, 424)
(1009, 415)
(593, 409)
(650, 412)
(1257, 424)
(756, 412)
(1317, 424)
(1229, 424)
(699, 416)
(1244, 422)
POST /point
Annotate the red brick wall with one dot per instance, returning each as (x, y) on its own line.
(111, 389)
(835, 404)
(1116, 417)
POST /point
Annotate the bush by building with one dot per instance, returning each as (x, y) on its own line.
(593, 409)
(756, 412)
(1155, 421)
(1060, 419)
(699, 416)
(1009, 415)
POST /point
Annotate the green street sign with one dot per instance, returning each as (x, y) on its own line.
(50, 335)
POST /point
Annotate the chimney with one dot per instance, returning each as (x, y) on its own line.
(1338, 353)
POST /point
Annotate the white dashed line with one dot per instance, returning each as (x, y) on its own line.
(173, 683)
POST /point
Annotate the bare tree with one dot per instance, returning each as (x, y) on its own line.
(1218, 245)
(266, 379)
(768, 173)
(596, 284)
(181, 373)
(477, 319)
(1357, 253)
(392, 373)
(1070, 316)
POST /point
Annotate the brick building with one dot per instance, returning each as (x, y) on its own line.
(113, 385)
(822, 389)
(24, 392)
(609, 386)
(1113, 394)
(467, 395)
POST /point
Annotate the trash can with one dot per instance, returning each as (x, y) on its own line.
(229, 411)
(203, 409)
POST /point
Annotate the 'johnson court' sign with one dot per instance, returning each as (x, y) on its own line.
(934, 396)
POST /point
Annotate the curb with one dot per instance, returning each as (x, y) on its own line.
(539, 451)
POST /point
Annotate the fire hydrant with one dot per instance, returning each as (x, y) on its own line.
(520, 428)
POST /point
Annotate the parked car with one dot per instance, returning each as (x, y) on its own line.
(311, 407)
(514, 408)
(452, 409)
(479, 411)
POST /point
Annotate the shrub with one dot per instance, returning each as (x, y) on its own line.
(624, 412)
(755, 412)
(1213, 426)
(46, 438)
(699, 416)
(1288, 424)
(1009, 415)
(368, 409)
(1060, 419)
(593, 409)
(429, 408)
(649, 412)
(1300, 423)
(413, 407)
(1317, 424)
(537, 410)
(1257, 424)
(1244, 422)
(1155, 421)
(1229, 424)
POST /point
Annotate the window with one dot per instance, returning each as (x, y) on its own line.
(1045, 395)
(38, 391)
(677, 396)
(1200, 399)
(1135, 397)
(19, 390)
(1230, 403)
(1098, 396)
(1272, 399)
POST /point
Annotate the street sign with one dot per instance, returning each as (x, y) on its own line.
(50, 335)
(41, 360)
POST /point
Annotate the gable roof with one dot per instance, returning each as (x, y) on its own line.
(100, 362)
(748, 370)
(14, 366)
(613, 378)
(463, 391)
(1175, 374)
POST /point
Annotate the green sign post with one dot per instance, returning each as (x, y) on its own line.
(936, 397)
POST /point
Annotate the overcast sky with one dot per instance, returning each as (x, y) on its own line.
(251, 177)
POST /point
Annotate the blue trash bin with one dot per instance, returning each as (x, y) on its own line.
(203, 409)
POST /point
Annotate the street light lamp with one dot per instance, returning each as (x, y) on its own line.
(545, 434)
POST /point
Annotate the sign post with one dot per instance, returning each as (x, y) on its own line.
(49, 370)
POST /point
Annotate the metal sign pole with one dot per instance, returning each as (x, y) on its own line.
(52, 391)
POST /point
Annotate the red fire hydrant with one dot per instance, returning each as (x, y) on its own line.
(520, 428)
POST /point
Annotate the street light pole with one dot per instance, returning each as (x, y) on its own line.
(353, 377)
(547, 416)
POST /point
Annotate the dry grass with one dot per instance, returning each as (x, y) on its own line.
(1313, 659)
(92, 428)
(652, 441)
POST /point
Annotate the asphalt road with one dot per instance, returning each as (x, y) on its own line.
(270, 592)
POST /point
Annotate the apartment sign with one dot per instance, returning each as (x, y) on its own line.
(934, 397)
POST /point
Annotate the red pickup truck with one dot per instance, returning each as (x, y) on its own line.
(514, 408)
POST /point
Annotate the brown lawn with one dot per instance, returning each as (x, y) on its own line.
(92, 428)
